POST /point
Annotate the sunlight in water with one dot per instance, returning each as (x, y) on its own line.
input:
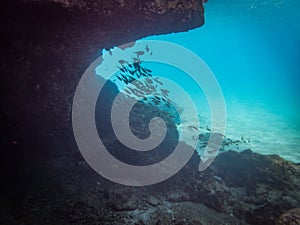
(252, 47)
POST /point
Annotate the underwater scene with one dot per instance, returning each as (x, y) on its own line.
(150, 112)
(253, 49)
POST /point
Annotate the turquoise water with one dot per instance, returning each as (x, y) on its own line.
(253, 49)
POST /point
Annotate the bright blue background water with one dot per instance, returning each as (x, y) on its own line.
(253, 48)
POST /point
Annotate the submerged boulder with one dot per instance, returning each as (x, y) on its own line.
(291, 217)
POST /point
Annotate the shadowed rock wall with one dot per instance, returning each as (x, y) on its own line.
(46, 47)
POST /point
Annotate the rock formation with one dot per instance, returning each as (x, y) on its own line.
(46, 47)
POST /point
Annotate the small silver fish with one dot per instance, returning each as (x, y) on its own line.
(140, 53)
(159, 82)
(121, 61)
(147, 48)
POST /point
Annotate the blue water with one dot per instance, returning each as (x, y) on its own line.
(253, 49)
